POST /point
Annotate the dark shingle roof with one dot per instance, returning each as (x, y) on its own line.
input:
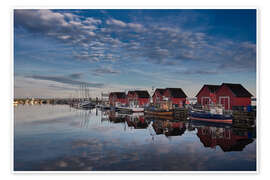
(161, 91)
(212, 88)
(131, 92)
(177, 92)
(120, 95)
(142, 94)
(238, 90)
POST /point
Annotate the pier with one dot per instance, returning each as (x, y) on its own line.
(243, 119)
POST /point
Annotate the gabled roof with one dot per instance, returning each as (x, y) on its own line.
(161, 91)
(142, 94)
(131, 92)
(211, 88)
(177, 92)
(238, 90)
(120, 95)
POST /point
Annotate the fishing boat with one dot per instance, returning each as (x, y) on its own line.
(215, 114)
(163, 108)
(158, 111)
(86, 104)
(130, 109)
(105, 107)
(136, 109)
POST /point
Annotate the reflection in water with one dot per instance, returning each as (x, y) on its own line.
(225, 138)
(169, 128)
(137, 121)
(76, 139)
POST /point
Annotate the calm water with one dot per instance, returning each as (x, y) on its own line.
(57, 137)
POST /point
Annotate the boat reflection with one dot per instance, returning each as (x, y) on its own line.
(211, 135)
(169, 128)
(161, 125)
(137, 121)
(116, 117)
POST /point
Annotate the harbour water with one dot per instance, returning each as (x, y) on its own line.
(61, 138)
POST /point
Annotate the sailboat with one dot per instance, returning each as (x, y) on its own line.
(104, 102)
(85, 99)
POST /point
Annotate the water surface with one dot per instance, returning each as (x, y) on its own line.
(60, 138)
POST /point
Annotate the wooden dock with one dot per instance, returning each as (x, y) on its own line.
(243, 119)
(180, 113)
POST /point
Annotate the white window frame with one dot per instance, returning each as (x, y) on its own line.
(229, 102)
(205, 97)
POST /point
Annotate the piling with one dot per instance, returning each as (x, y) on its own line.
(180, 113)
(244, 119)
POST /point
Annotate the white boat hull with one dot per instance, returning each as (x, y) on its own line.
(133, 109)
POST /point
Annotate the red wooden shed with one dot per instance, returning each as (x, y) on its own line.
(176, 96)
(158, 95)
(230, 95)
(138, 98)
(207, 94)
(117, 99)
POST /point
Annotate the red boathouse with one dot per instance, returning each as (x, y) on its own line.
(230, 95)
(158, 95)
(139, 98)
(207, 94)
(117, 99)
(176, 96)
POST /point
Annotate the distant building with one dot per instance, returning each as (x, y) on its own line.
(176, 96)
(230, 95)
(207, 94)
(117, 99)
(139, 98)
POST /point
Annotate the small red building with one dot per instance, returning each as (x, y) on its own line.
(176, 96)
(130, 97)
(207, 94)
(158, 95)
(230, 95)
(117, 99)
(138, 98)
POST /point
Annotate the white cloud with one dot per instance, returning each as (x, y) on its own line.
(90, 20)
(64, 37)
(136, 27)
(116, 22)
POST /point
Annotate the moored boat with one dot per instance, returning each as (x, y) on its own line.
(159, 112)
(130, 109)
(136, 109)
(104, 107)
(86, 104)
(215, 114)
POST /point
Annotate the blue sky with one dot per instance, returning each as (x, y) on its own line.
(116, 50)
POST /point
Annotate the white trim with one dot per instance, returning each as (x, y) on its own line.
(205, 97)
(228, 97)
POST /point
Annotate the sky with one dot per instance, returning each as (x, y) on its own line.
(57, 50)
